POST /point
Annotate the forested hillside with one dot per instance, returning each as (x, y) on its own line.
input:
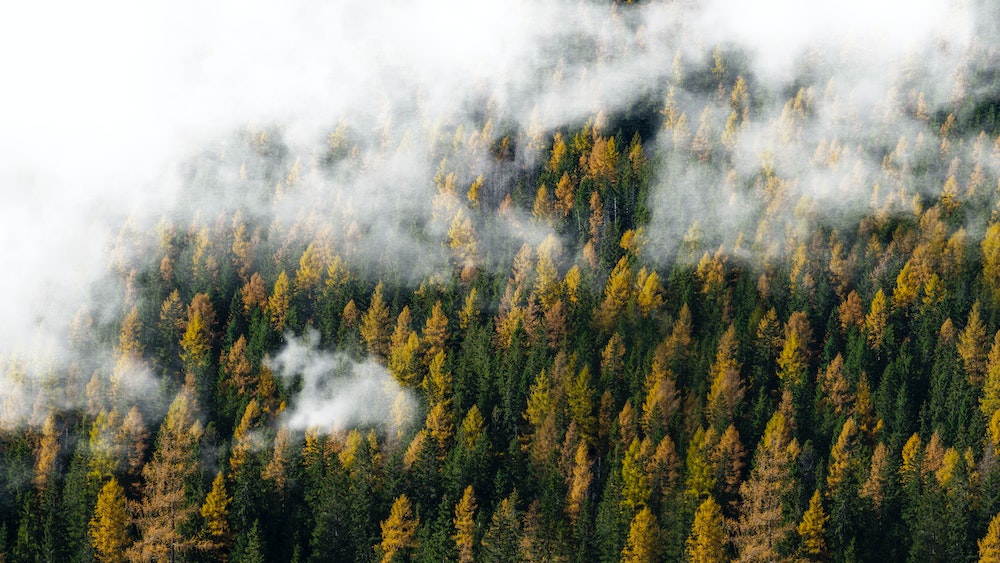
(719, 321)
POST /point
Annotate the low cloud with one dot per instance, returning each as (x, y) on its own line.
(336, 392)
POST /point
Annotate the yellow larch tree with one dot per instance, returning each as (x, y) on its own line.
(763, 524)
(216, 536)
(465, 525)
(972, 346)
(642, 545)
(110, 524)
(47, 453)
(163, 514)
(989, 546)
(876, 319)
(989, 402)
(617, 294)
(279, 302)
(375, 325)
(399, 530)
(726, 386)
(812, 529)
(991, 259)
(435, 333)
(707, 540)
(579, 483)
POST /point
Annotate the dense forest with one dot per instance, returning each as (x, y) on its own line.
(718, 322)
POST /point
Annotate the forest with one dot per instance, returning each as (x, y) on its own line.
(721, 321)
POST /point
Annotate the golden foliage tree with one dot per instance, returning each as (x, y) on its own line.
(972, 345)
(435, 333)
(110, 524)
(165, 510)
(812, 529)
(991, 259)
(399, 530)
(726, 386)
(375, 325)
(642, 545)
(989, 402)
(763, 524)
(989, 546)
(465, 525)
(707, 541)
(579, 483)
(216, 537)
(279, 302)
(47, 453)
(876, 319)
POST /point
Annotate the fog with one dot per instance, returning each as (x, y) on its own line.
(110, 105)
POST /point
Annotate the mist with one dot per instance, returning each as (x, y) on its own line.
(117, 111)
(336, 392)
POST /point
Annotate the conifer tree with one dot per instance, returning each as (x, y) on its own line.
(642, 545)
(216, 537)
(110, 524)
(989, 546)
(707, 541)
(375, 325)
(465, 525)
(399, 530)
(812, 529)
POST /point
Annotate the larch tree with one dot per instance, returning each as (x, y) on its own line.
(636, 488)
(726, 386)
(579, 484)
(375, 325)
(972, 347)
(109, 527)
(216, 536)
(465, 525)
(649, 295)
(763, 525)
(876, 319)
(47, 453)
(989, 546)
(435, 334)
(195, 346)
(708, 539)
(989, 402)
(165, 510)
(812, 529)
(991, 259)
(399, 530)
(643, 543)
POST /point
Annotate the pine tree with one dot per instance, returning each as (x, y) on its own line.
(500, 542)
